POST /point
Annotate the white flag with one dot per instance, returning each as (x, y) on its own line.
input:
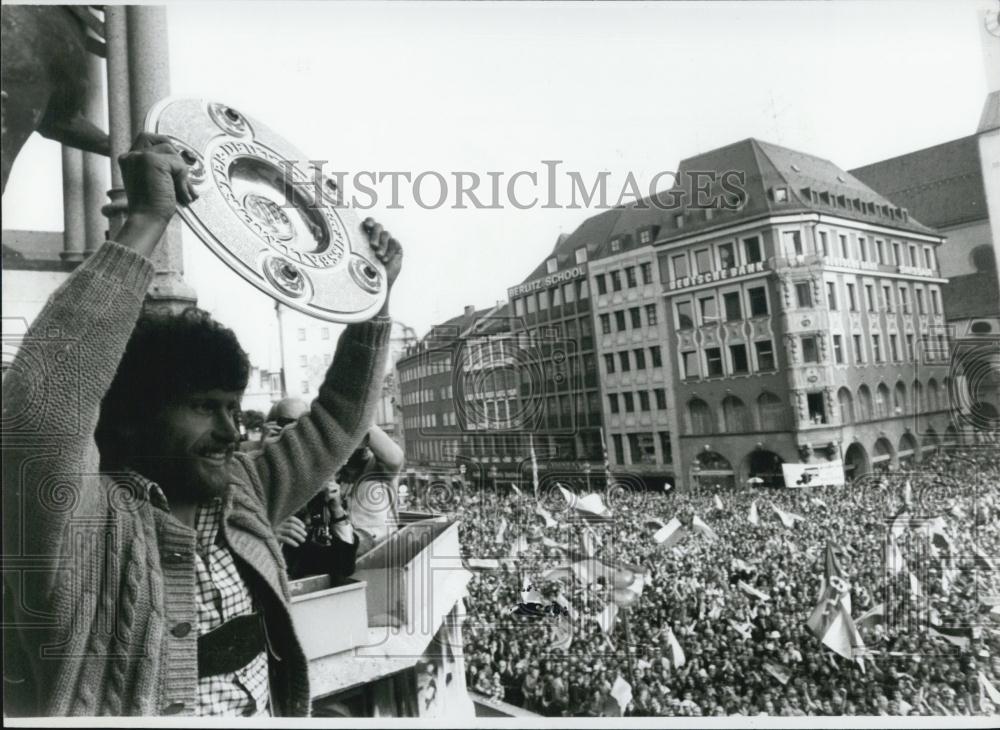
(718, 503)
(751, 591)
(986, 688)
(670, 534)
(787, 518)
(545, 515)
(589, 542)
(622, 692)
(590, 504)
(501, 530)
(754, 516)
(698, 525)
(676, 652)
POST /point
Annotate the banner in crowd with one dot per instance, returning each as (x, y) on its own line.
(831, 620)
(822, 474)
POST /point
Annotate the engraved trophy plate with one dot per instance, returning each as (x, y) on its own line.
(257, 210)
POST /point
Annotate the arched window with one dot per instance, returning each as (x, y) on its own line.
(713, 461)
(882, 400)
(933, 396)
(919, 405)
(907, 450)
(735, 415)
(772, 412)
(883, 453)
(930, 439)
(951, 436)
(864, 403)
(700, 416)
(899, 399)
(846, 401)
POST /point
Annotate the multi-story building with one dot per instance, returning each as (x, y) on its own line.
(558, 394)
(955, 188)
(631, 333)
(805, 321)
(426, 376)
(486, 382)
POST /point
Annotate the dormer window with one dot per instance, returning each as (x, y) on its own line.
(781, 195)
(616, 245)
(551, 265)
(581, 255)
(645, 236)
(679, 220)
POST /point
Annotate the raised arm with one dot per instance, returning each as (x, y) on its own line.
(67, 360)
(294, 467)
(388, 453)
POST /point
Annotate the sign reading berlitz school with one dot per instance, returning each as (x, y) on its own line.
(717, 275)
(822, 474)
(546, 281)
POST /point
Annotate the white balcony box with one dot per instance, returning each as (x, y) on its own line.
(329, 619)
(403, 571)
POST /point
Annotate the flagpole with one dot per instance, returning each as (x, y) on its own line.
(534, 464)
(628, 645)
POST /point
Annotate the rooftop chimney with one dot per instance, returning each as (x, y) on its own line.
(469, 310)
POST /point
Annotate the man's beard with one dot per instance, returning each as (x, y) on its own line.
(186, 479)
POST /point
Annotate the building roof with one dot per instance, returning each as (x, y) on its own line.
(591, 234)
(972, 295)
(444, 334)
(812, 184)
(764, 171)
(940, 185)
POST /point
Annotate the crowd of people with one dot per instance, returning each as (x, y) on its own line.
(747, 652)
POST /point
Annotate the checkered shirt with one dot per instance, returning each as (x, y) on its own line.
(222, 594)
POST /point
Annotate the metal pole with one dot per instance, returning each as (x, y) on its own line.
(119, 109)
(73, 215)
(281, 348)
(149, 82)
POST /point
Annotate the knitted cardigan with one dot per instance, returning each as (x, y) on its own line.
(99, 585)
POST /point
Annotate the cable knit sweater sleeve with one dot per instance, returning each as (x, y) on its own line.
(52, 396)
(292, 469)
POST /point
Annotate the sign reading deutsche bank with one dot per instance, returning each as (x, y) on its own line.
(823, 474)
(546, 281)
(717, 275)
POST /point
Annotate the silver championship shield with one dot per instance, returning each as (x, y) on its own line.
(269, 214)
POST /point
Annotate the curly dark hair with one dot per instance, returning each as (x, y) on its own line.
(167, 357)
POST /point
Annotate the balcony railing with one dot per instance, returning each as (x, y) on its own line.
(383, 619)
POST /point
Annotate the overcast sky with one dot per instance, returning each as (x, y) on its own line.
(501, 87)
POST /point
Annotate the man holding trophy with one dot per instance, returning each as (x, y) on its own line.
(154, 558)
